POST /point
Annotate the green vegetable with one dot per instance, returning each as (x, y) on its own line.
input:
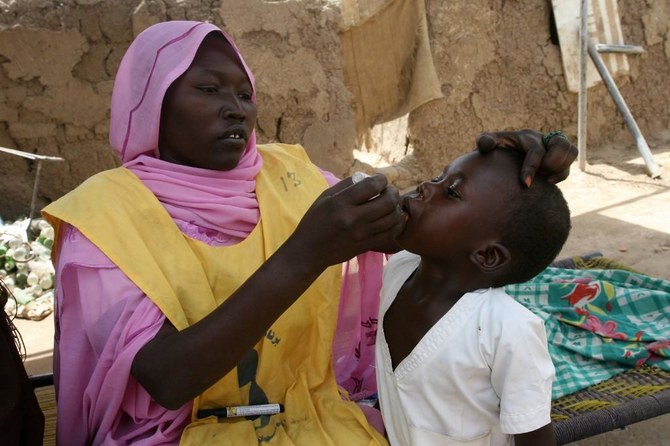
(10, 264)
(21, 280)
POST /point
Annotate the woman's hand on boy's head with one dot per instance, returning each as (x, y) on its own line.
(552, 161)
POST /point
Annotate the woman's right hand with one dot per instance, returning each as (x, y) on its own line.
(348, 219)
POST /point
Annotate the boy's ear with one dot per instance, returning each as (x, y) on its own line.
(491, 258)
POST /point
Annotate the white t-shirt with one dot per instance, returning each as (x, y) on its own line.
(481, 374)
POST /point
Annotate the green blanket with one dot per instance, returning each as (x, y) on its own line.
(600, 322)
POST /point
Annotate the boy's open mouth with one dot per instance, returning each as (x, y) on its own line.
(405, 206)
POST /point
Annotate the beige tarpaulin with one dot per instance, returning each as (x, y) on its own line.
(387, 60)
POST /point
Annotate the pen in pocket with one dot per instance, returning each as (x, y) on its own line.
(242, 411)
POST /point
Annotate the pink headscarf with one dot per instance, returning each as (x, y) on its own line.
(223, 201)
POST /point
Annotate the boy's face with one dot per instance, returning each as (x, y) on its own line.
(454, 214)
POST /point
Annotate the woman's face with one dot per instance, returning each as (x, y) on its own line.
(208, 115)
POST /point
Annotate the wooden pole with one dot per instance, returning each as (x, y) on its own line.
(642, 146)
(583, 89)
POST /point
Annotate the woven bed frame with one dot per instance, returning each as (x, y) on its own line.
(636, 395)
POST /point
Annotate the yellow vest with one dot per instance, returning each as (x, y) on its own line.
(187, 279)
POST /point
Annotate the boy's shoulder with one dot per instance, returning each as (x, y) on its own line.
(503, 309)
(506, 325)
(404, 256)
(400, 260)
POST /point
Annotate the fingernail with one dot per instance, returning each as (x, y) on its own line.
(528, 180)
(357, 177)
(486, 142)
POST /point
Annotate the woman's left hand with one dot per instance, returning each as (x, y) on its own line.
(553, 160)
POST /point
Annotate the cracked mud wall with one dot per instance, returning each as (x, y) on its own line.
(500, 70)
(495, 59)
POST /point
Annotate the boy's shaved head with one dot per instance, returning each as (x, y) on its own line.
(535, 226)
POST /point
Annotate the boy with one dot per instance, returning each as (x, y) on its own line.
(458, 360)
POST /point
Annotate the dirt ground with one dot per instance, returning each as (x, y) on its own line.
(617, 209)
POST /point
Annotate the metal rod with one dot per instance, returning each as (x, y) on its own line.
(642, 145)
(31, 156)
(39, 159)
(33, 200)
(583, 89)
(622, 49)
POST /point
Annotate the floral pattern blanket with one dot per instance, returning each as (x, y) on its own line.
(599, 322)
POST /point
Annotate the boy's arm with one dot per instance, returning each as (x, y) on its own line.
(543, 436)
(522, 373)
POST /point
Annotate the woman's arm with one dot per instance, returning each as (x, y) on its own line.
(176, 366)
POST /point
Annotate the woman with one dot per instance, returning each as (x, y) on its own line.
(21, 419)
(170, 269)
